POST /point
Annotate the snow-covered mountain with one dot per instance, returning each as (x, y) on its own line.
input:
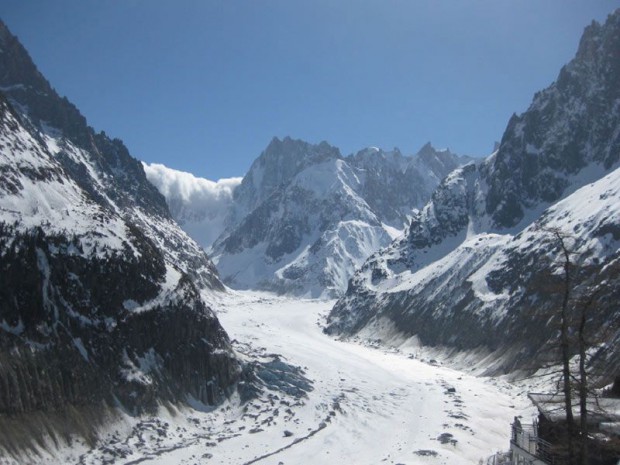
(468, 273)
(314, 216)
(304, 218)
(100, 290)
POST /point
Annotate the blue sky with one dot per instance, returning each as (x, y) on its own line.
(202, 86)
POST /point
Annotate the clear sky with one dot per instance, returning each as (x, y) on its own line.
(203, 85)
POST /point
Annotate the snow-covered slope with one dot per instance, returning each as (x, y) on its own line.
(100, 290)
(306, 238)
(466, 274)
(349, 404)
(487, 292)
(304, 218)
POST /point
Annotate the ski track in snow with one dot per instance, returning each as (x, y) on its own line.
(367, 405)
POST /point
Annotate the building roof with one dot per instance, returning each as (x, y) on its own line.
(600, 409)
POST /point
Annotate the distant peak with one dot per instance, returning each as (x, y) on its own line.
(369, 152)
(428, 150)
(427, 147)
(372, 153)
(278, 164)
(287, 141)
(297, 147)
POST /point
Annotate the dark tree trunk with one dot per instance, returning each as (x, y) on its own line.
(583, 389)
(615, 389)
(565, 350)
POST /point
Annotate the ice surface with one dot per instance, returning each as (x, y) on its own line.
(366, 406)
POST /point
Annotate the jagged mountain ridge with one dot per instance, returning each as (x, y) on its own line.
(100, 289)
(570, 125)
(310, 234)
(304, 217)
(467, 272)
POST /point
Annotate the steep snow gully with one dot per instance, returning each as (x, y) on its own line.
(325, 401)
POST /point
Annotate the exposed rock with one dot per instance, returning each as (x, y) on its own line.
(304, 217)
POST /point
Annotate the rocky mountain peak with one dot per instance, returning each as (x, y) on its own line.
(27, 88)
(375, 160)
(277, 165)
(427, 150)
(595, 64)
(599, 36)
(287, 157)
(17, 69)
(441, 162)
(22, 82)
(568, 126)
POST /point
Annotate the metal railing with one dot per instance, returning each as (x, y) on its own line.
(526, 439)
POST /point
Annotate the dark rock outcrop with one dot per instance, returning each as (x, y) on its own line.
(568, 126)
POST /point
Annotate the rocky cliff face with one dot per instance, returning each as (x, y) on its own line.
(101, 166)
(467, 275)
(393, 184)
(304, 217)
(569, 126)
(100, 290)
(280, 162)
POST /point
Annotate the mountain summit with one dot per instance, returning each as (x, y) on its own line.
(304, 217)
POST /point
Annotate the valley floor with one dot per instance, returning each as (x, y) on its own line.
(366, 405)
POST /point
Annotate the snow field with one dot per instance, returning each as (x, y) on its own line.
(367, 405)
(386, 407)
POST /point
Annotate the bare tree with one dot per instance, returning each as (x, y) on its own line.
(565, 352)
(583, 379)
(579, 302)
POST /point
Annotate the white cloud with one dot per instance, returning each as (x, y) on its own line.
(198, 204)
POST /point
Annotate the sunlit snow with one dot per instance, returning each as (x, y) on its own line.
(368, 405)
